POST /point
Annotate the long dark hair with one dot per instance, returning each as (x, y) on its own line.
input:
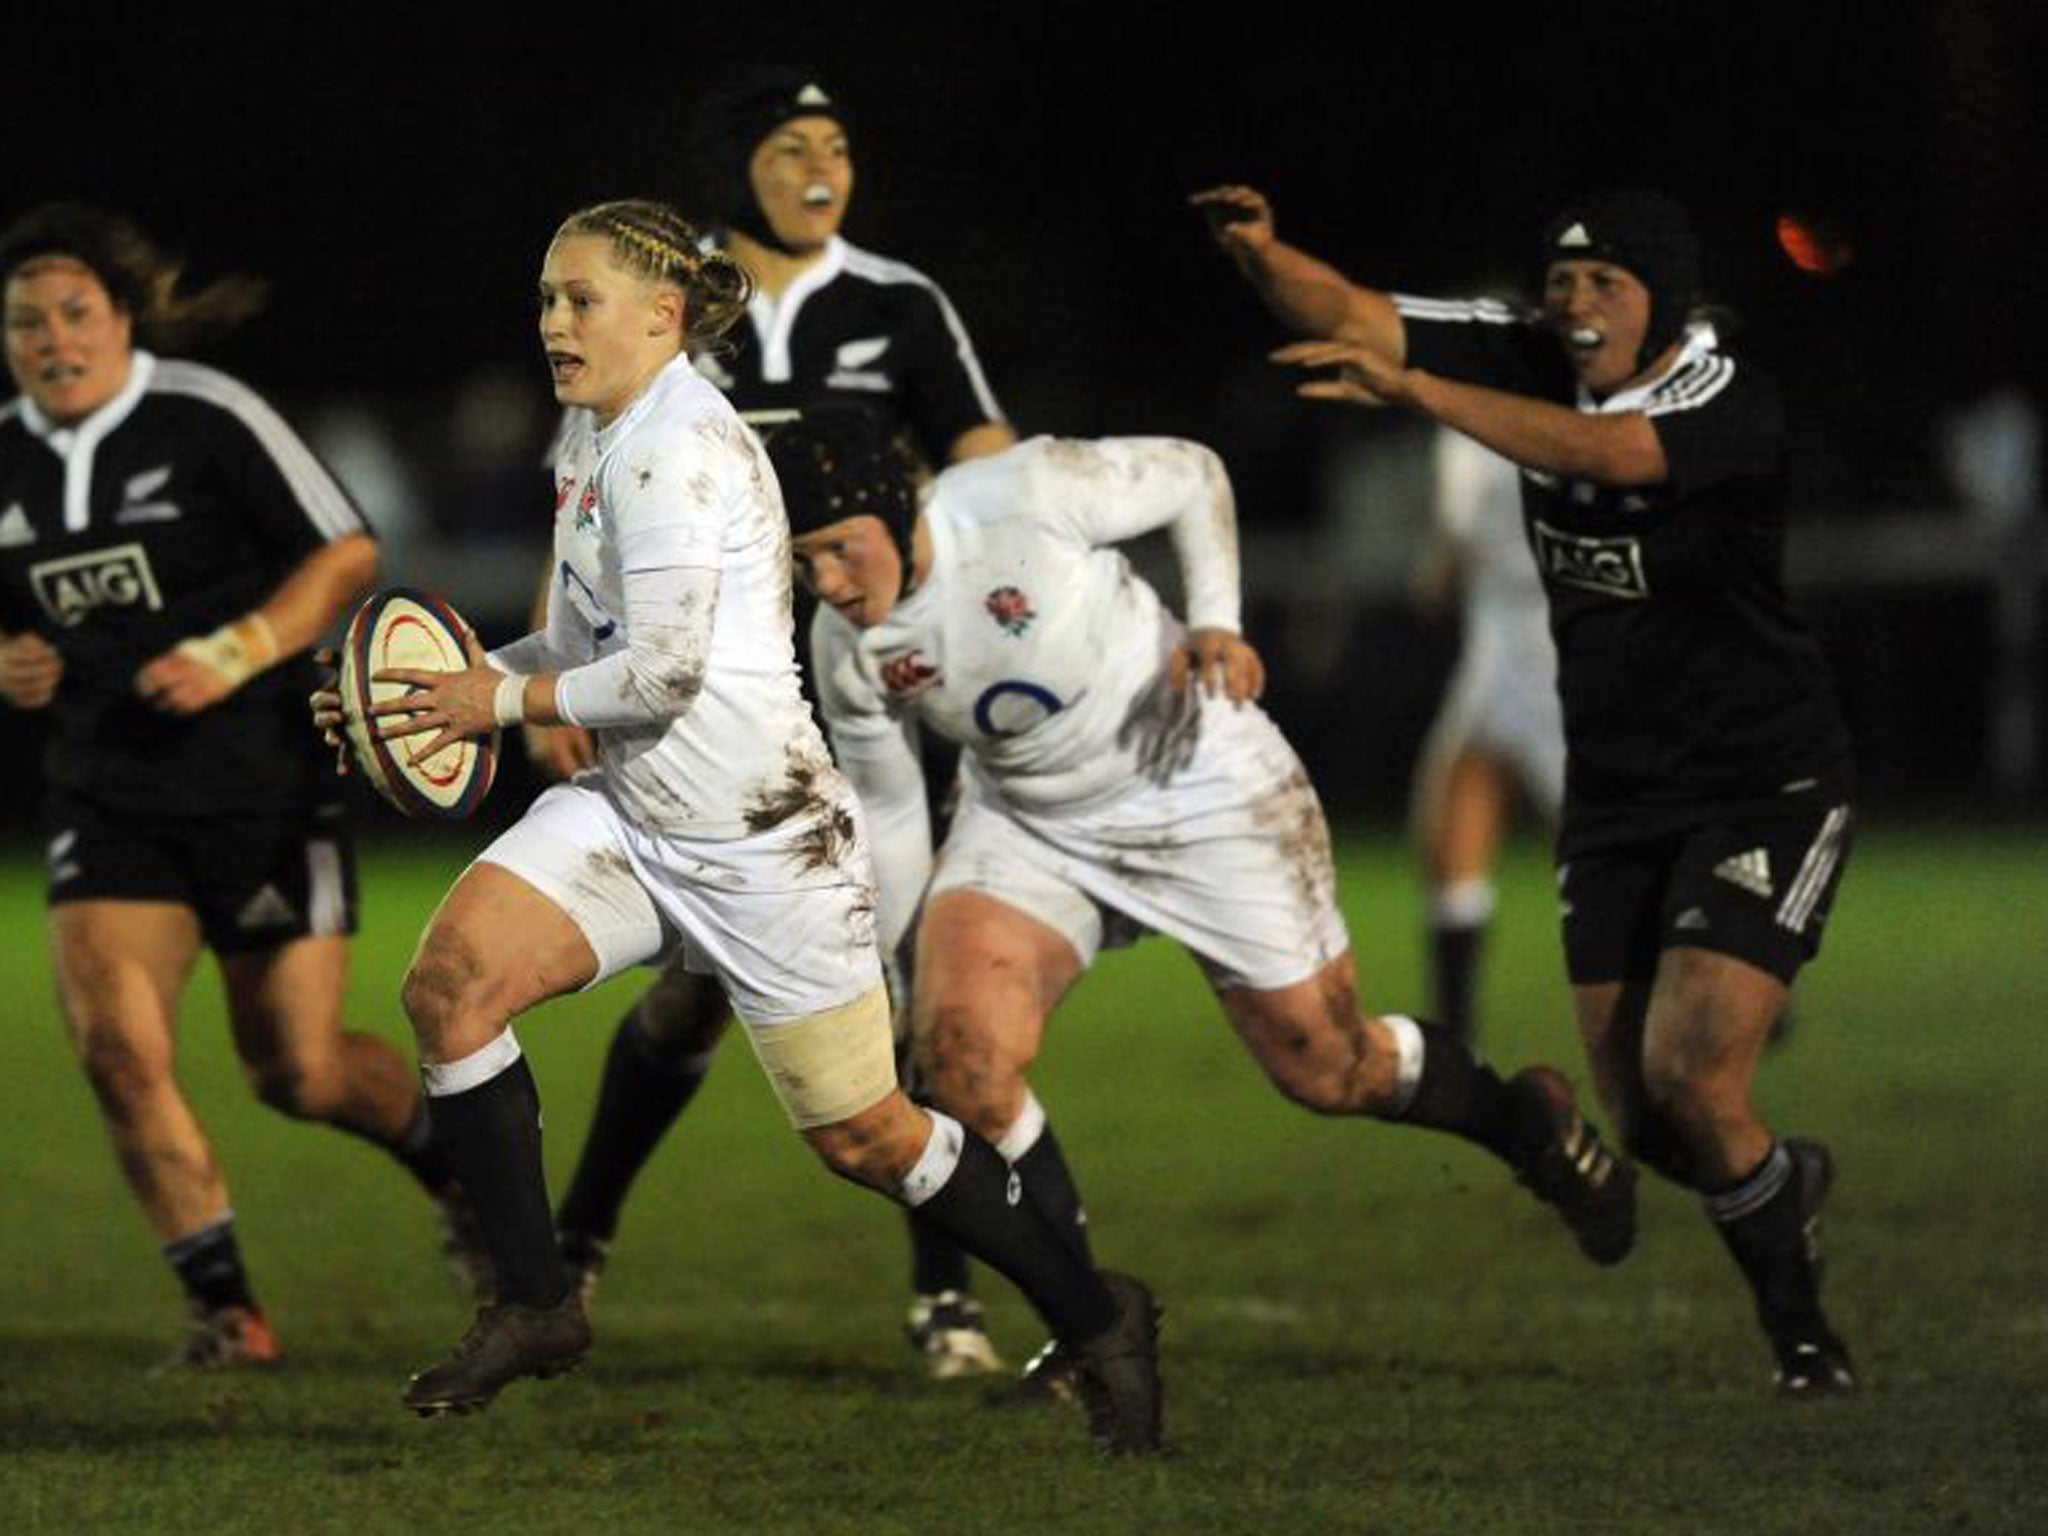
(141, 280)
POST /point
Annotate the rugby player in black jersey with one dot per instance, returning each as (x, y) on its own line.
(168, 551)
(1707, 789)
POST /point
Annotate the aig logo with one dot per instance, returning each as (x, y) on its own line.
(71, 588)
(1611, 566)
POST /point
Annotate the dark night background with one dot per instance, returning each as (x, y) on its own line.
(395, 175)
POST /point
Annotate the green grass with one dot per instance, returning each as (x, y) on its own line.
(1368, 1329)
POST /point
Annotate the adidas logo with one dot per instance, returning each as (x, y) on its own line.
(266, 909)
(1575, 236)
(1751, 871)
(813, 96)
(14, 528)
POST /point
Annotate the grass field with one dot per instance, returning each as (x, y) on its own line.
(1368, 1330)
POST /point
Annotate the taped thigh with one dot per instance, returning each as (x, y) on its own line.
(829, 1066)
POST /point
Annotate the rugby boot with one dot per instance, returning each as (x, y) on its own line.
(1812, 1361)
(1592, 1189)
(1048, 1377)
(224, 1339)
(948, 1330)
(1117, 1373)
(507, 1341)
(583, 1258)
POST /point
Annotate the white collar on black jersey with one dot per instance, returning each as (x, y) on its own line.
(60, 437)
(774, 319)
(1700, 339)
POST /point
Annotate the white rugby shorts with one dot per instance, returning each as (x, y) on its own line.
(1505, 703)
(786, 932)
(1231, 856)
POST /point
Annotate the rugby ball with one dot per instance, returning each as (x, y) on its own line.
(404, 627)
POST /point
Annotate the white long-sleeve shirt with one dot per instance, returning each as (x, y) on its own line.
(669, 617)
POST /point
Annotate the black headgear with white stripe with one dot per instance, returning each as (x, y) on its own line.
(730, 121)
(836, 461)
(1647, 234)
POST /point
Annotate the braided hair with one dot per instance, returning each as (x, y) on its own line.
(657, 242)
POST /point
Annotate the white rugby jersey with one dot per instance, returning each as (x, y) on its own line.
(1478, 507)
(679, 482)
(1031, 642)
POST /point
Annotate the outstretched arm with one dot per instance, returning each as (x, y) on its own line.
(1308, 295)
(1618, 449)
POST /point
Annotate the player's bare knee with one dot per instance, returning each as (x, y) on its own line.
(962, 1069)
(445, 989)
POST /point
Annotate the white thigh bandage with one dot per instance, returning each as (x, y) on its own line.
(828, 1067)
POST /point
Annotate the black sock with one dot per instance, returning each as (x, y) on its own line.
(638, 1099)
(209, 1265)
(937, 1263)
(1761, 1222)
(1049, 1185)
(1454, 954)
(982, 1205)
(1459, 1093)
(416, 1149)
(493, 1139)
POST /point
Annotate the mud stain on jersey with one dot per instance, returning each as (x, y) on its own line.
(806, 789)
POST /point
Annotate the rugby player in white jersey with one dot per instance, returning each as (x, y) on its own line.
(1499, 734)
(1119, 778)
(714, 826)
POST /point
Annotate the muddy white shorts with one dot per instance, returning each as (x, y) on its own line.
(1231, 856)
(784, 919)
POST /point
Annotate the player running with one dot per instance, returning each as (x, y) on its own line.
(168, 552)
(715, 827)
(1499, 735)
(829, 321)
(1707, 786)
(1119, 778)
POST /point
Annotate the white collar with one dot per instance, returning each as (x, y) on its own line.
(61, 435)
(1700, 339)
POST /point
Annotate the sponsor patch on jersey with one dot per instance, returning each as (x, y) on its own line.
(117, 577)
(1751, 871)
(908, 674)
(14, 528)
(1011, 610)
(1612, 566)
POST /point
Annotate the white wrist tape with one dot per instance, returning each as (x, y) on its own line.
(509, 703)
(237, 651)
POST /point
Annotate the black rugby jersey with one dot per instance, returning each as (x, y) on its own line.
(178, 506)
(1690, 685)
(860, 328)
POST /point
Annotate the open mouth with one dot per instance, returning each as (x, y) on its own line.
(565, 366)
(817, 195)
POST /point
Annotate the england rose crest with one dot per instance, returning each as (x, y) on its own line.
(1011, 609)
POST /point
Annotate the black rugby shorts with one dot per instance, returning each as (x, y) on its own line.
(1758, 888)
(253, 881)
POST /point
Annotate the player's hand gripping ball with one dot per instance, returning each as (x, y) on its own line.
(404, 627)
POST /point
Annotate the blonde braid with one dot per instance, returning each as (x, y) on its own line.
(656, 241)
